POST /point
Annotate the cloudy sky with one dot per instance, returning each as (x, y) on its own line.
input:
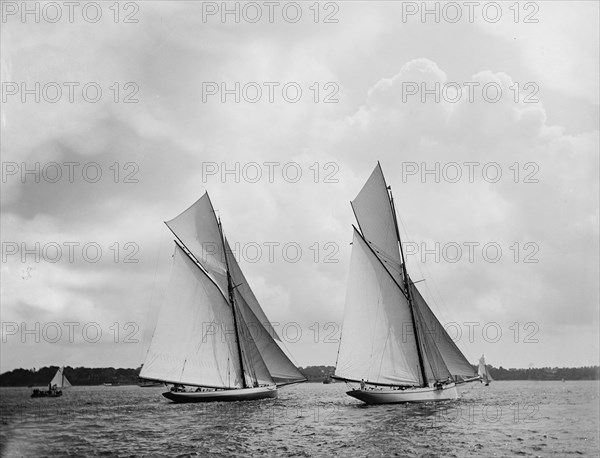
(502, 102)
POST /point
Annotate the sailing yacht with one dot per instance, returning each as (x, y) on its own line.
(483, 371)
(213, 341)
(58, 382)
(392, 344)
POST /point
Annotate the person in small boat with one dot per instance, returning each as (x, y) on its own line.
(362, 384)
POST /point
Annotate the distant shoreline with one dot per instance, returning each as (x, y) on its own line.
(315, 374)
(310, 382)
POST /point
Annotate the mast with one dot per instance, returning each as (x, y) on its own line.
(232, 303)
(408, 293)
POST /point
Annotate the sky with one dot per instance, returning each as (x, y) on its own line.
(485, 122)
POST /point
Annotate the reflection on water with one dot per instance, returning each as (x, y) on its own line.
(504, 419)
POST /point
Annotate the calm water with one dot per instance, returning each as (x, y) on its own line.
(504, 419)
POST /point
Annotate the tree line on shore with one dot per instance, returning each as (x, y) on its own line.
(320, 373)
(100, 375)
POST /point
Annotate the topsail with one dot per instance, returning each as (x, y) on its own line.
(377, 222)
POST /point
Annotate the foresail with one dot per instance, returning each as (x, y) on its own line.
(378, 344)
(280, 368)
(434, 334)
(243, 288)
(433, 362)
(194, 342)
(255, 369)
(376, 221)
(197, 228)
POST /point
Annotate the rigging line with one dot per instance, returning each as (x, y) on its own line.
(289, 355)
(250, 363)
(152, 291)
(373, 341)
(337, 356)
(431, 348)
(287, 352)
(411, 301)
(439, 303)
(232, 302)
(387, 339)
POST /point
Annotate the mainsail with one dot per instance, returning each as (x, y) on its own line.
(378, 343)
(194, 338)
(206, 334)
(390, 336)
(60, 380)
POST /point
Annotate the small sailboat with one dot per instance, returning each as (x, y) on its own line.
(391, 344)
(483, 371)
(58, 382)
(213, 341)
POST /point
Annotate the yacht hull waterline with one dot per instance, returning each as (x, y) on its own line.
(389, 396)
(242, 394)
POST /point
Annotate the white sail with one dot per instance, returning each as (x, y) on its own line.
(376, 221)
(483, 372)
(194, 342)
(197, 228)
(378, 342)
(255, 369)
(280, 368)
(243, 288)
(60, 380)
(442, 356)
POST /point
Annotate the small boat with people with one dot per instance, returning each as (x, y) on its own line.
(55, 386)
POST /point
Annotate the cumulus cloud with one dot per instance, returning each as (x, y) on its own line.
(547, 194)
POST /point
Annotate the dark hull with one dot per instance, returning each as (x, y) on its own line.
(150, 384)
(46, 394)
(245, 394)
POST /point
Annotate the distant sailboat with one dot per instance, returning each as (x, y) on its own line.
(213, 341)
(484, 372)
(58, 382)
(392, 343)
